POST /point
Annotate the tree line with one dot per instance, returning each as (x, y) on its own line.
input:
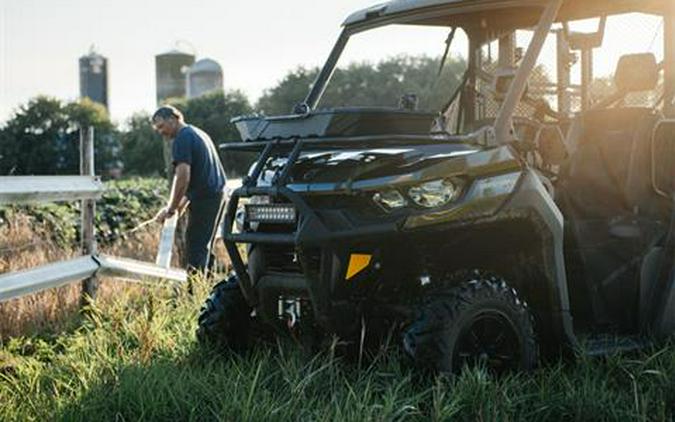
(42, 135)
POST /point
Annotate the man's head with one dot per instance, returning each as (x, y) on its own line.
(167, 121)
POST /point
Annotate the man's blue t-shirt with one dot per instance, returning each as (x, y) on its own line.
(194, 147)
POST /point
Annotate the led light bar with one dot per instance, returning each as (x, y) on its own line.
(271, 213)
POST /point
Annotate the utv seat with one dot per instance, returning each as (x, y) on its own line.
(611, 210)
(608, 173)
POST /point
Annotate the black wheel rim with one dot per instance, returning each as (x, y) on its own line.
(489, 341)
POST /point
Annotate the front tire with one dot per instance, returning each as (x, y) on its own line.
(472, 320)
(225, 318)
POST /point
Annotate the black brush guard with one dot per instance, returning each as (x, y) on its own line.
(311, 233)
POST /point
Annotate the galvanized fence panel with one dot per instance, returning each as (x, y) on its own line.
(20, 283)
(39, 189)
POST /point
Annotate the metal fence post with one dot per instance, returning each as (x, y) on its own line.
(89, 285)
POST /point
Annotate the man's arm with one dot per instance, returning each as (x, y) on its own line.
(177, 200)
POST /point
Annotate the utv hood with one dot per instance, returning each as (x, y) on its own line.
(349, 166)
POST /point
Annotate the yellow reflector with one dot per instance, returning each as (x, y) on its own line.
(357, 262)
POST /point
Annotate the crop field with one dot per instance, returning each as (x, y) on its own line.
(133, 355)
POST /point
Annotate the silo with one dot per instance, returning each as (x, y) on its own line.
(170, 69)
(94, 77)
(204, 76)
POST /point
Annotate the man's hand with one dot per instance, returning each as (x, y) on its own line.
(182, 206)
(177, 198)
(164, 213)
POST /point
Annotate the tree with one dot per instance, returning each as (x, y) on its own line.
(142, 147)
(84, 113)
(292, 89)
(212, 113)
(43, 137)
(33, 141)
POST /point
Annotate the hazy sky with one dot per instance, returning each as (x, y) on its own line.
(255, 41)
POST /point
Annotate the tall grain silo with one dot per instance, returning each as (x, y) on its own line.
(203, 77)
(170, 69)
(94, 77)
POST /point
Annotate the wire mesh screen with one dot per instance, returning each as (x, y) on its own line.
(546, 87)
(541, 84)
(555, 84)
(487, 106)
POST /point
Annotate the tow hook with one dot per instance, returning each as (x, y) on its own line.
(289, 311)
(292, 319)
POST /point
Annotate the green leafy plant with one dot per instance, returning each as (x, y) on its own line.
(123, 206)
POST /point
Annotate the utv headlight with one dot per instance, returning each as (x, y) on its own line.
(435, 193)
(494, 186)
(390, 199)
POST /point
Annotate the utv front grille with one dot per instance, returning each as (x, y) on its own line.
(281, 259)
(286, 259)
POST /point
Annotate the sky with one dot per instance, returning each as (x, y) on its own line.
(256, 42)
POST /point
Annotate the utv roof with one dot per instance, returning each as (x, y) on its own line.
(439, 12)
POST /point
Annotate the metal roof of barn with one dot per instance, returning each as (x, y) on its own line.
(431, 11)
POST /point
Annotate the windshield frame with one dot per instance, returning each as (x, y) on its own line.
(503, 122)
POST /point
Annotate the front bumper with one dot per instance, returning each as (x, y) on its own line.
(320, 250)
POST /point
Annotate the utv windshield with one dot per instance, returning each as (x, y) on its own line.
(459, 77)
(398, 66)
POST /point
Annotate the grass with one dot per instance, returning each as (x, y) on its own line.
(134, 357)
(25, 244)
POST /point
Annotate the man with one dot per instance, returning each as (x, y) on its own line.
(199, 182)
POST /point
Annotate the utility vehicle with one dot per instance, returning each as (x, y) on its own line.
(530, 213)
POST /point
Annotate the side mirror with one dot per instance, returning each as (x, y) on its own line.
(408, 102)
(301, 108)
(663, 158)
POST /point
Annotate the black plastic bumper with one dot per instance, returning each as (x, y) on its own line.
(310, 234)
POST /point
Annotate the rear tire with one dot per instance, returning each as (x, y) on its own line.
(225, 318)
(472, 319)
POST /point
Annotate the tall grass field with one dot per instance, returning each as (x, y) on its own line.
(132, 355)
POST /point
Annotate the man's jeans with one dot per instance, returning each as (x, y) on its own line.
(203, 219)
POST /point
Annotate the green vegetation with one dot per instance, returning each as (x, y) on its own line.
(42, 137)
(124, 205)
(142, 148)
(212, 113)
(136, 358)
